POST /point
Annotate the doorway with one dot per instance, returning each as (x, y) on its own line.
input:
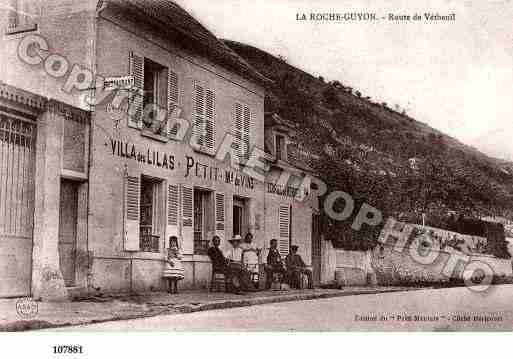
(68, 230)
(203, 219)
(239, 216)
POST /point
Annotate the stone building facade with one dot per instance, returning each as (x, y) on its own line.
(123, 123)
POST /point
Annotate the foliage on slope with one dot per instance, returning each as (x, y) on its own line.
(380, 155)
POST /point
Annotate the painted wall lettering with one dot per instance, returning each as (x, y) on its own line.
(148, 156)
(197, 169)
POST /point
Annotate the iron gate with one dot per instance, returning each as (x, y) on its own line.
(17, 166)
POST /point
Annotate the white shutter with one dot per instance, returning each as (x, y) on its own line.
(210, 114)
(242, 126)
(199, 115)
(246, 132)
(173, 202)
(132, 213)
(136, 98)
(204, 114)
(284, 229)
(238, 129)
(173, 98)
(187, 219)
(220, 215)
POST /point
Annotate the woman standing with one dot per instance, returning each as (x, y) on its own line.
(173, 270)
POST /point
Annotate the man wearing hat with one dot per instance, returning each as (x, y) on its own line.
(296, 266)
(235, 253)
(241, 279)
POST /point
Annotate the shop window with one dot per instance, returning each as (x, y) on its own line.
(150, 225)
(203, 220)
(280, 148)
(204, 113)
(242, 131)
(22, 16)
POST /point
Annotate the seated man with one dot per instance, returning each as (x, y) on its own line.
(240, 277)
(274, 263)
(296, 267)
(219, 262)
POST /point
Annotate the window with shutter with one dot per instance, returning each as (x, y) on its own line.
(204, 118)
(187, 219)
(284, 230)
(132, 198)
(220, 214)
(136, 99)
(173, 99)
(172, 211)
(242, 130)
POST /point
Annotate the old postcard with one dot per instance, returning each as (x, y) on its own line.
(282, 165)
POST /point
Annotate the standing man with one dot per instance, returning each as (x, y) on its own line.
(296, 266)
(274, 263)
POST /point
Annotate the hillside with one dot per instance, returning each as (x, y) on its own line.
(381, 155)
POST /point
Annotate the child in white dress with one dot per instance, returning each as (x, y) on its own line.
(173, 269)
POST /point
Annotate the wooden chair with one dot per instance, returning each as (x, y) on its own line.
(254, 271)
(217, 281)
(302, 281)
(277, 281)
(274, 279)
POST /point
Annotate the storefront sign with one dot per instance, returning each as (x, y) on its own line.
(197, 169)
(193, 167)
(148, 156)
(281, 190)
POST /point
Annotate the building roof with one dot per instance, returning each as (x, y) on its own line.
(272, 119)
(180, 26)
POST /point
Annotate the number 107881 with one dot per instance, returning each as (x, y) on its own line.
(67, 349)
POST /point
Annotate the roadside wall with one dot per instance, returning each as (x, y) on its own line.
(391, 267)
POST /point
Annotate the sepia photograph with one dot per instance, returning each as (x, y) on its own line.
(255, 166)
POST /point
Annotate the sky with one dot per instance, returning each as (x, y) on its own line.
(456, 76)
